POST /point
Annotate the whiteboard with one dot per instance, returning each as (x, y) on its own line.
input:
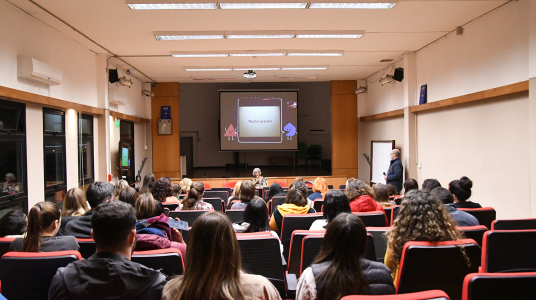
(380, 153)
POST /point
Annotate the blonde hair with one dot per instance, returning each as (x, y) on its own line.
(186, 185)
(236, 191)
(74, 203)
(120, 185)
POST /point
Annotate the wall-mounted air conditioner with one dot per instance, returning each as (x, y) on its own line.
(118, 98)
(32, 69)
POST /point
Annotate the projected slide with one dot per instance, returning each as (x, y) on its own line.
(258, 120)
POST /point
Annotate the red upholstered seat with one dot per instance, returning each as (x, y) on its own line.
(207, 186)
(293, 222)
(229, 184)
(4, 245)
(433, 294)
(474, 232)
(295, 251)
(281, 183)
(486, 286)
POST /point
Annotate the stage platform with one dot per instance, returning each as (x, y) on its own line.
(218, 182)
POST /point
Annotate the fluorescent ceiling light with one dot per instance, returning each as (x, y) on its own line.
(258, 53)
(201, 69)
(262, 5)
(314, 53)
(181, 36)
(296, 77)
(257, 68)
(260, 34)
(149, 6)
(199, 54)
(329, 36)
(305, 68)
(355, 5)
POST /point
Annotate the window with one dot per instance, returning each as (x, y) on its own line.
(13, 190)
(54, 155)
(85, 151)
(126, 151)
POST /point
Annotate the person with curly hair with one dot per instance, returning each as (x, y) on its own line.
(422, 217)
(361, 198)
(163, 192)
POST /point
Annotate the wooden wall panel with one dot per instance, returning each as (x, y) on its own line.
(166, 148)
(344, 128)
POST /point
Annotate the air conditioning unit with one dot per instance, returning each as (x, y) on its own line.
(118, 98)
(34, 70)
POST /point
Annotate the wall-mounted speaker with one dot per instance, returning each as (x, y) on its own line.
(399, 74)
(113, 77)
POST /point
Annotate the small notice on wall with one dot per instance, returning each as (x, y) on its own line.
(165, 112)
(423, 98)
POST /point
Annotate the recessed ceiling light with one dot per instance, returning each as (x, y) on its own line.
(181, 36)
(314, 53)
(354, 5)
(305, 68)
(262, 5)
(199, 54)
(151, 6)
(258, 53)
(201, 69)
(257, 68)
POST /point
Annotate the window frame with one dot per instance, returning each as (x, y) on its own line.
(133, 153)
(85, 137)
(55, 136)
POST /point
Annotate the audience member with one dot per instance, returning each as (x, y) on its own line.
(361, 198)
(339, 270)
(256, 219)
(461, 217)
(320, 188)
(120, 185)
(296, 203)
(97, 193)
(275, 190)
(74, 203)
(13, 224)
(421, 218)
(247, 192)
(43, 224)
(186, 184)
(163, 192)
(296, 180)
(430, 184)
(351, 179)
(194, 199)
(381, 195)
(128, 195)
(147, 184)
(301, 187)
(207, 275)
(461, 189)
(391, 190)
(10, 186)
(335, 202)
(176, 190)
(109, 273)
(410, 184)
(235, 195)
(258, 180)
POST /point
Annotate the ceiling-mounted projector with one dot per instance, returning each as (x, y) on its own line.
(250, 74)
(125, 82)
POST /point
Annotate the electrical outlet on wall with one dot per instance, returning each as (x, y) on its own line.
(419, 165)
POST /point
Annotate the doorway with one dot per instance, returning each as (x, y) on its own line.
(187, 149)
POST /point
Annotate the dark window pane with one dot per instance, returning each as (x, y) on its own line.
(53, 123)
(10, 119)
(12, 157)
(86, 159)
(126, 130)
(86, 125)
(54, 162)
(13, 206)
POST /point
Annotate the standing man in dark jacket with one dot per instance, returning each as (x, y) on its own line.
(109, 273)
(396, 170)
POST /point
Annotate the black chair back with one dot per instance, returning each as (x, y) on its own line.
(222, 189)
(4, 245)
(317, 205)
(171, 206)
(216, 194)
(394, 214)
(342, 187)
(372, 219)
(295, 222)
(474, 232)
(380, 242)
(330, 186)
(217, 203)
(509, 251)
(87, 247)
(388, 212)
(277, 200)
(295, 251)
(187, 215)
(168, 261)
(520, 224)
(236, 215)
(486, 286)
(484, 215)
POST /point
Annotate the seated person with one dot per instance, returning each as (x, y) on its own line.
(163, 192)
(109, 273)
(339, 270)
(13, 224)
(256, 219)
(320, 188)
(120, 185)
(247, 192)
(296, 203)
(335, 202)
(128, 195)
(258, 180)
(176, 190)
(461, 189)
(10, 186)
(275, 190)
(235, 194)
(381, 195)
(97, 193)
(430, 184)
(194, 199)
(74, 203)
(461, 217)
(410, 184)
(361, 198)
(185, 184)
(43, 224)
(207, 275)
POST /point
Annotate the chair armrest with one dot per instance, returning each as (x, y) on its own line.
(292, 282)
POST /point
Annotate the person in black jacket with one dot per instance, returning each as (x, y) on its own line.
(109, 273)
(339, 270)
(395, 173)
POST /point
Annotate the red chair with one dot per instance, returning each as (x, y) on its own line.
(519, 224)
(372, 218)
(283, 184)
(87, 247)
(27, 275)
(474, 232)
(293, 222)
(232, 202)
(207, 185)
(317, 204)
(484, 215)
(275, 202)
(388, 212)
(486, 286)
(295, 251)
(442, 266)
(217, 203)
(508, 251)
(380, 242)
(229, 184)
(426, 295)
(4, 245)
(169, 260)
(394, 214)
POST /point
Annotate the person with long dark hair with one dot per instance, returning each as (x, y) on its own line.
(13, 223)
(461, 190)
(410, 184)
(213, 266)
(256, 219)
(275, 190)
(295, 203)
(147, 184)
(194, 199)
(339, 269)
(44, 221)
(335, 202)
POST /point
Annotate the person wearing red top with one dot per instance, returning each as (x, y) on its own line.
(362, 198)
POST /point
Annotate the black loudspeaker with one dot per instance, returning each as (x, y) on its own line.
(399, 74)
(113, 77)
